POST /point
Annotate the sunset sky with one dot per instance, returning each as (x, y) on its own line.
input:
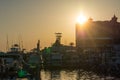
(30, 20)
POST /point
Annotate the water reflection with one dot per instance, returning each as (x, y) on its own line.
(68, 75)
(71, 75)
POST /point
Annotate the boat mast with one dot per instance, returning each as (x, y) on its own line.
(7, 44)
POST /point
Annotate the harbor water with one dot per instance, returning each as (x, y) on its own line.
(71, 75)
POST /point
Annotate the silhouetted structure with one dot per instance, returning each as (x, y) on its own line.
(38, 46)
(98, 45)
(98, 33)
(58, 39)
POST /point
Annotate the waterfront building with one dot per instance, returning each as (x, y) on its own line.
(98, 38)
(98, 33)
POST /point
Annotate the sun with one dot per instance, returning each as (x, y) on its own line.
(81, 19)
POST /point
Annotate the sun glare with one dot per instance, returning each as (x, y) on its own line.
(81, 19)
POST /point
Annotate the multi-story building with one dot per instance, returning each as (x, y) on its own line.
(97, 33)
(98, 39)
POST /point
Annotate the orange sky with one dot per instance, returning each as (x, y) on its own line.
(31, 20)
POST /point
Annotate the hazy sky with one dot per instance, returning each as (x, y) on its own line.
(30, 20)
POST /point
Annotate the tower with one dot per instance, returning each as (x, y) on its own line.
(58, 39)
